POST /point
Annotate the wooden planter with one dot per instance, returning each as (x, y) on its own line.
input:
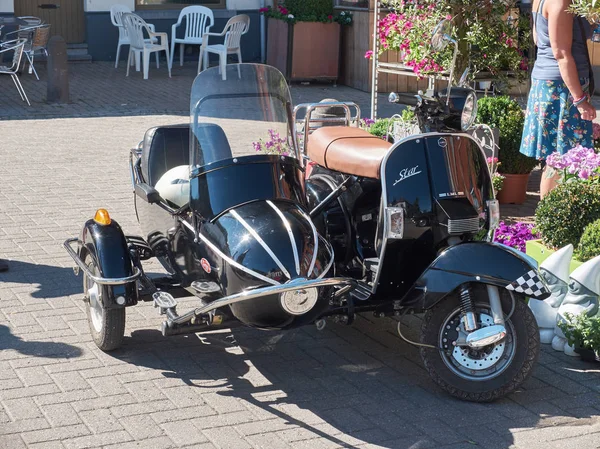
(304, 51)
(540, 252)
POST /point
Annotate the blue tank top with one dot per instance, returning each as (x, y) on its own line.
(546, 66)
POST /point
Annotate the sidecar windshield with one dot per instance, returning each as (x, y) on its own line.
(245, 111)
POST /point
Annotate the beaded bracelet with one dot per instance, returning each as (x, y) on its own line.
(580, 100)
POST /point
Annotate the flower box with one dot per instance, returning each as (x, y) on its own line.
(540, 252)
(304, 51)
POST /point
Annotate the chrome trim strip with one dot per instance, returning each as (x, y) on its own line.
(384, 185)
(97, 279)
(228, 259)
(247, 295)
(316, 239)
(257, 237)
(286, 223)
(331, 259)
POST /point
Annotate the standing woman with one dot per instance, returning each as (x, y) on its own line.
(559, 111)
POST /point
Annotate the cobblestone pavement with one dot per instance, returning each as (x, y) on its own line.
(358, 386)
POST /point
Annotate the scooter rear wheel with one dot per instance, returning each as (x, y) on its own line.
(488, 373)
(107, 326)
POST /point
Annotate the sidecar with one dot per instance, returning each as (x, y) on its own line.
(222, 206)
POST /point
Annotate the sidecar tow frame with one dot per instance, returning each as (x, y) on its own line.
(247, 295)
(98, 279)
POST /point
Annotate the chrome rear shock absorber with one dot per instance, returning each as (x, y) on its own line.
(466, 307)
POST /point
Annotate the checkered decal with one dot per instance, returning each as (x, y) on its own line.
(529, 284)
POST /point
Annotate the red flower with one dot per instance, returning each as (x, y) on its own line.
(263, 9)
(330, 17)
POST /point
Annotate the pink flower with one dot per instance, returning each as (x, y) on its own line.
(263, 9)
(369, 54)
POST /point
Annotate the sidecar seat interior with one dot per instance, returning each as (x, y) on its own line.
(163, 148)
(347, 149)
(166, 157)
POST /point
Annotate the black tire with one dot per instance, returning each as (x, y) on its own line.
(107, 326)
(526, 348)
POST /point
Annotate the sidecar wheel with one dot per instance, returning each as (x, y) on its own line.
(488, 373)
(107, 326)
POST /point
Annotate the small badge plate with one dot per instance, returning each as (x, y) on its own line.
(205, 265)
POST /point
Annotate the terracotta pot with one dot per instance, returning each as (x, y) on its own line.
(547, 184)
(514, 189)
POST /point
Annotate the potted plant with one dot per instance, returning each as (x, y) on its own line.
(507, 115)
(497, 179)
(583, 333)
(486, 32)
(304, 39)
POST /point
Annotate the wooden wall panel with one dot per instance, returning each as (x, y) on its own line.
(66, 18)
(356, 69)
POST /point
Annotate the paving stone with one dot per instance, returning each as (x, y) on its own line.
(98, 440)
(60, 415)
(183, 433)
(141, 427)
(65, 434)
(101, 420)
(23, 408)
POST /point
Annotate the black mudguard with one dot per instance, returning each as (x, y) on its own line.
(108, 246)
(479, 262)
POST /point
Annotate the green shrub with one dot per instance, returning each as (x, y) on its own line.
(506, 115)
(309, 9)
(582, 331)
(564, 213)
(380, 127)
(589, 245)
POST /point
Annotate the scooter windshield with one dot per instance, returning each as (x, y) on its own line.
(244, 111)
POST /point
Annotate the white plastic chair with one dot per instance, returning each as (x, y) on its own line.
(16, 46)
(140, 45)
(116, 17)
(198, 20)
(233, 31)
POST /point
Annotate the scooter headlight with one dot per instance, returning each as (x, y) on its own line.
(300, 301)
(395, 222)
(469, 112)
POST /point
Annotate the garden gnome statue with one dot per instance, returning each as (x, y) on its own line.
(555, 271)
(582, 297)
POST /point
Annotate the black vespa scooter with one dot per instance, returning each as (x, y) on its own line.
(225, 207)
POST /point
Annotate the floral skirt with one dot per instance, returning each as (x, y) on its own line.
(552, 123)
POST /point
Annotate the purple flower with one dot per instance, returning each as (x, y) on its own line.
(515, 235)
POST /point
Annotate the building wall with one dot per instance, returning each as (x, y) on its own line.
(102, 36)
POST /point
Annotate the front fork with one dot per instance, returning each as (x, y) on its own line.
(476, 337)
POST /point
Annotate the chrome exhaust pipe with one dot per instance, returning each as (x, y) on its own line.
(486, 336)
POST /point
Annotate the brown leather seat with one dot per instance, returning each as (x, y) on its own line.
(348, 150)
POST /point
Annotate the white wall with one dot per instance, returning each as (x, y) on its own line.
(104, 5)
(7, 6)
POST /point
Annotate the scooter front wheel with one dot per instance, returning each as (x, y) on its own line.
(107, 326)
(483, 374)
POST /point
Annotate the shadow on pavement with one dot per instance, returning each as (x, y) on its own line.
(348, 387)
(47, 349)
(51, 281)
